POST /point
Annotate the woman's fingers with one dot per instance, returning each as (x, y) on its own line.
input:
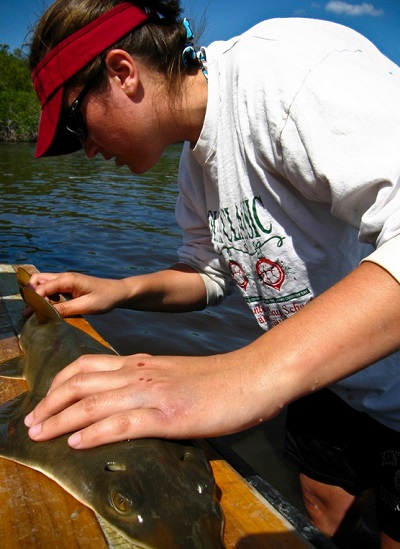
(88, 375)
(90, 295)
(46, 284)
(85, 411)
(144, 423)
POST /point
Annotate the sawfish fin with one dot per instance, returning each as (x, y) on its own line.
(12, 413)
(23, 277)
(15, 443)
(44, 311)
(13, 368)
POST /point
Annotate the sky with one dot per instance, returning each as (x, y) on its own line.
(378, 20)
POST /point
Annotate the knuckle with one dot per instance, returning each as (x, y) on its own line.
(77, 383)
(123, 423)
(62, 308)
(84, 363)
(68, 278)
(90, 404)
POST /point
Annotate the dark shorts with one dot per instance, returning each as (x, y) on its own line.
(332, 443)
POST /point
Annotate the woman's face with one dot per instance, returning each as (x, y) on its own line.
(124, 126)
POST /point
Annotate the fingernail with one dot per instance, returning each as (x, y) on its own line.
(29, 419)
(75, 440)
(35, 430)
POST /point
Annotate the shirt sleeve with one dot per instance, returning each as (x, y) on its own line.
(191, 215)
(388, 257)
(340, 144)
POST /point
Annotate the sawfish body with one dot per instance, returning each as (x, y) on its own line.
(155, 493)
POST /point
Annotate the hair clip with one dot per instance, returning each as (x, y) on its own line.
(188, 53)
(189, 32)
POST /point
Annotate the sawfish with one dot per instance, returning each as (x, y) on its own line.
(155, 493)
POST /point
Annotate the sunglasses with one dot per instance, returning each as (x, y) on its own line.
(73, 115)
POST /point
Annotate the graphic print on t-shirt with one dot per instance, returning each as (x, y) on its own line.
(260, 261)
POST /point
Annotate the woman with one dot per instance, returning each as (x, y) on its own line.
(288, 186)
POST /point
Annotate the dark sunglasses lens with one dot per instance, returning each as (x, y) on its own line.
(75, 123)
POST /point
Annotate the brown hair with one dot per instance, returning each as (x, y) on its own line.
(159, 42)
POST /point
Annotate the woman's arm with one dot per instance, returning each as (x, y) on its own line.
(105, 399)
(179, 288)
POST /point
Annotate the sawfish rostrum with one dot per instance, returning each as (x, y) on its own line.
(156, 493)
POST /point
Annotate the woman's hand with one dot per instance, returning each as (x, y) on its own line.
(90, 295)
(103, 399)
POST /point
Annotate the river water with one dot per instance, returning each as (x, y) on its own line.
(69, 213)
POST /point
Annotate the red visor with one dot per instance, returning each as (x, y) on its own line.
(67, 59)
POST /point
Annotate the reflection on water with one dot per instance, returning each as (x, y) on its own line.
(69, 213)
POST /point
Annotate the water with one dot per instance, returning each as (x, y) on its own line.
(69, 213)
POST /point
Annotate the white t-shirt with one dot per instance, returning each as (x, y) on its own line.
(295, 177)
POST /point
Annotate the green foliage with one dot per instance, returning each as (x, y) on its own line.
(19, 116)
(19, 106)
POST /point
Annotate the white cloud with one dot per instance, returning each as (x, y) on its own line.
(339, 7)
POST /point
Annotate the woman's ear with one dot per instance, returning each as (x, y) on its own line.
(121, 66)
